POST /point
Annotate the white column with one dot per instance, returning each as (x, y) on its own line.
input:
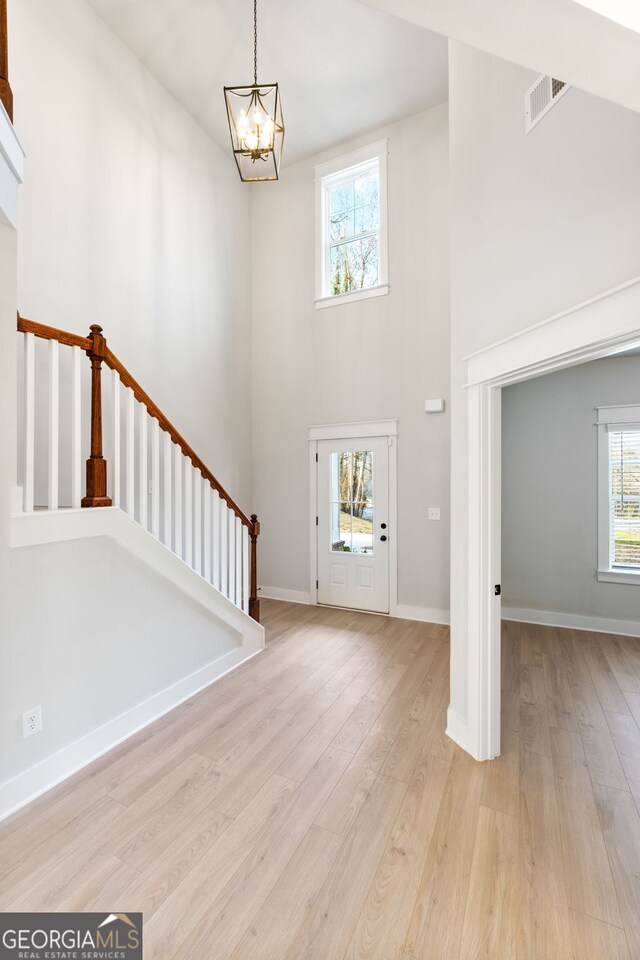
(29, 419)
(155, 477)
(215, 539)
(206, 522)
(76, 427)
(178, 545)
(246, 573)
(130, 465)
(54, 422)
(188, 511)
(143, 490)
(116, 438)
(167, 493)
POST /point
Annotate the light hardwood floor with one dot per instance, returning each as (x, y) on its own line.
(310, 807)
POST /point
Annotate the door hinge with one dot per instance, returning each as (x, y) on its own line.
(316, 584)
(497, 590)
(316, 457)
(316, 521)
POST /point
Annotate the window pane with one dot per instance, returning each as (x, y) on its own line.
(341, 199)
(366, 218)
(341, 225)
(354, 265)
(624, 459)
(366, 189)
(341, 539)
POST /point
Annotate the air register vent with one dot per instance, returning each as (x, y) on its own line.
(539, 99)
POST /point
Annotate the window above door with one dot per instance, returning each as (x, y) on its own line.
(351, 227)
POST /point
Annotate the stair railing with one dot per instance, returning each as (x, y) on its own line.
(152, 473)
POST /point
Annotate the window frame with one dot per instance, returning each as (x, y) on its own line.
(327, 175)
(611, 419)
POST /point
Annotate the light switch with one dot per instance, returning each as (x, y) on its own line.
(433, 513)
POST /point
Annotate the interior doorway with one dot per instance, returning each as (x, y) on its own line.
(598, 328)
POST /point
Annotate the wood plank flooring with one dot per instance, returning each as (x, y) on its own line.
(310, 806)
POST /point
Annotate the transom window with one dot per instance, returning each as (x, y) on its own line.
(619, 494)
(352, 235)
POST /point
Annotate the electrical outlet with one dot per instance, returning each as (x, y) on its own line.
(31, 722)
(433, 513)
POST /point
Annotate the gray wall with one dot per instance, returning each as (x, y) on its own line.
(549, 490)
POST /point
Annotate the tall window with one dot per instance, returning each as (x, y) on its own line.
(619, 493)
(351, 225)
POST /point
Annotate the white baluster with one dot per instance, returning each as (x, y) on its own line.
(245, 569)
(29, 419)
(188, 511)
(231, 524)
(177, 511)
(206, 514)
(116, 438)
(215, 539)
(54, 418)
(155, 477)
(224, 539)
(166, 530)
(130, 459)
(143, 455)
(76, 427)
(238, 539)
(197, 521)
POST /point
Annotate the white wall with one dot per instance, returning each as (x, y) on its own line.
(376, 359)
(131, 217)
(549, 491)
(538, 223)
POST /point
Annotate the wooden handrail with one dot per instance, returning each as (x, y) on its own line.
(87, 344)
(95, 346)
(51, 333)
(112, 361)
(6, 95)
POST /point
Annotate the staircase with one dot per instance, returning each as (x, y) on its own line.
(143, 483)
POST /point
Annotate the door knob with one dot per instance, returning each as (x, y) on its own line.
(383, 537)
(383, 526)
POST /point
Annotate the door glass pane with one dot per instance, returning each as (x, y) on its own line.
(352, 502)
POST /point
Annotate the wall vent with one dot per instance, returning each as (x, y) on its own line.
(539, 99)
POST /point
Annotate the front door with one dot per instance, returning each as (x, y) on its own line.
(353, 523)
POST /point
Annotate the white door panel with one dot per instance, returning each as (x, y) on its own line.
(353, 523)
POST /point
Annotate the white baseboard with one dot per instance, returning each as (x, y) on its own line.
(574, 621)
(279, 593)
(36, 780)
(425, 614)
(457, 728)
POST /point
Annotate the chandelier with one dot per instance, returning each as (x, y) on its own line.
(255, 123)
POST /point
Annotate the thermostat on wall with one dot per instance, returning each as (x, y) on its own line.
(434, 406)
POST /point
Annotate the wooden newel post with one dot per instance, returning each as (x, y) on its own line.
(96, 464)
(6, 96)
(254, 602)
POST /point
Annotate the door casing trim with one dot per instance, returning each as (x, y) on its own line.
(348, 431)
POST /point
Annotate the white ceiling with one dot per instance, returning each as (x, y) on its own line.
(343, 68)
(561, 38)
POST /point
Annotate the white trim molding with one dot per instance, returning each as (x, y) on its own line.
(11, 169)
(348, 431)
(573, 621)
(602, 326)
(279, 593)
